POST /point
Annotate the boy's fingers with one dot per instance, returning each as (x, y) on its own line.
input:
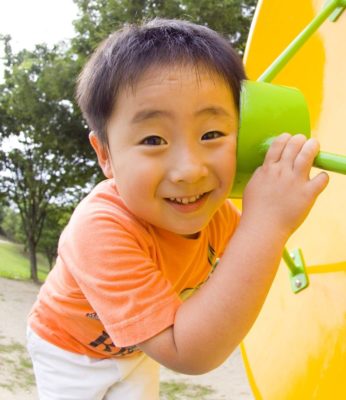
(306, 156)
(292, 149)
(319, 183)
(275, 150)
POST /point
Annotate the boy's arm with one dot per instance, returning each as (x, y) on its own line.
(210, 324)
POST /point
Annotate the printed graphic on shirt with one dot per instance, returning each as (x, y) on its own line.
(92, 315)
(109, 347)
(211, 254)
(213, 261)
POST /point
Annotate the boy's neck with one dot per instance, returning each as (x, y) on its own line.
(192, 235)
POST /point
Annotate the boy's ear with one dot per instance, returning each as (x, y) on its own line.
(102, 155)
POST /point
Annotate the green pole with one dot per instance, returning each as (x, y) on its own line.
(327, 161)
(331, 162)
(271, 72)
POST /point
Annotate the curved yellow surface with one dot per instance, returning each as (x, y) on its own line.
(297, 347)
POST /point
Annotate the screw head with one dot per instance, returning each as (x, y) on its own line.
(298, 283)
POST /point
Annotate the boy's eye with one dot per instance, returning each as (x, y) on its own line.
(153, 141)
(212, 135)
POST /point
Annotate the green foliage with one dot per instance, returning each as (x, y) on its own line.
(56, 219)
(3, 204)
(46, 161)
(98, 18)
(11, 225)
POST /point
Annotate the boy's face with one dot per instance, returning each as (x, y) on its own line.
(172, 147)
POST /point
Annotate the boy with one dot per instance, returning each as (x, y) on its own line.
(162, 100)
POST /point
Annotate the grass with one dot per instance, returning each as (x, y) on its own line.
(178, 390)
(15, 264)
(16, 367)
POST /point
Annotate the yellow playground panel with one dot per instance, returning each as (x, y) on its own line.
(297, 347)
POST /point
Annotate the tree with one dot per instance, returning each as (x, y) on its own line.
(98, 18)
(43, 157)
(56, 219)
(11, 225)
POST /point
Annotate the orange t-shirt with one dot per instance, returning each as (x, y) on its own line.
(118, 280)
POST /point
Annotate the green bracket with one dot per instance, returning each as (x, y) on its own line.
(297, 271)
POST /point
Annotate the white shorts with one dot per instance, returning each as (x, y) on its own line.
(62, 375)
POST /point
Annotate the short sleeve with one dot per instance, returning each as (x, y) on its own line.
(114, 266)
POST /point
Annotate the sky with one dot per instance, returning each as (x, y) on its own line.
(35, 21)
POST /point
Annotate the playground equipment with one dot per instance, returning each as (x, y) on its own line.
(297, 347)
(266, 111)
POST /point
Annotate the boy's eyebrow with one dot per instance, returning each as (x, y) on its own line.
(148, 114)
(214, 110)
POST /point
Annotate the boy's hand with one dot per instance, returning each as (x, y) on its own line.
(280, 194)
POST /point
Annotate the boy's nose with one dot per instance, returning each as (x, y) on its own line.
(189, 167)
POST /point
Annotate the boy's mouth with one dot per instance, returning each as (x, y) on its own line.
(186, 200)
(188, 204)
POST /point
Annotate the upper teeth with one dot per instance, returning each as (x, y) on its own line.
(186, 200)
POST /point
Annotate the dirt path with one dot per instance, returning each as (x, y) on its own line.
(16, 379)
